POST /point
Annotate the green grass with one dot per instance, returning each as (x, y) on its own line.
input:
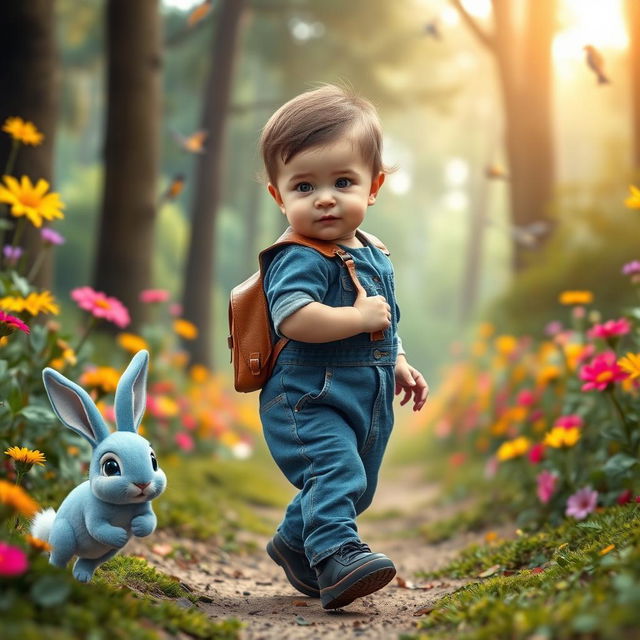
(47, 602)
(216, 498)
(554, 584)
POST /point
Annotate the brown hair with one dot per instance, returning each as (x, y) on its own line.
(318, 117)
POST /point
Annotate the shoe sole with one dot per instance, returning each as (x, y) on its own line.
(356, 585)
(294, 581)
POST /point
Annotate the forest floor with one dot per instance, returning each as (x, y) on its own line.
(248, 586)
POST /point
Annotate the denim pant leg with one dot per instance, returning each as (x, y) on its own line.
(329, 443)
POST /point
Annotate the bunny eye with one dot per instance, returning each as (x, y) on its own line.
(154, 462)
(110, 467)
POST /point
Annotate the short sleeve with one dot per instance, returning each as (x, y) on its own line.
(296, 276)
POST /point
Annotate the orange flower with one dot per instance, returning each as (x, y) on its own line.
(185, 329)
(23, 131)
(17, 499)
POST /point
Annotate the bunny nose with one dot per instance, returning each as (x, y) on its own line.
(142, 485)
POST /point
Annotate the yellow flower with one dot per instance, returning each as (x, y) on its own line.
(607, 549)
(513, 448)
(28, 456)
(575, 297)
(23, 131)
(199, 373)
(131, 342)
(167, 407)
(17, 499)
(631, 364)
(560, 437)
(31, 201)
(485, 330)
(506, 345)
(185, 329)
(548, 374)
(633, 201)
(34, 303)
(104, 378)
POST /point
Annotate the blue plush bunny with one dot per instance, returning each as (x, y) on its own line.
(99, 516)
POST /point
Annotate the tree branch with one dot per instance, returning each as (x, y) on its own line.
(488, 40)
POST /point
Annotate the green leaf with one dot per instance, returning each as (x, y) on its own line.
(5, 224)
(38, 338)
(37, 414)
(590, 525)
(20, 283)
(50, 591)
(619, 465)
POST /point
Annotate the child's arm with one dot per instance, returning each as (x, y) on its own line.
(317, 322)
(411, 381)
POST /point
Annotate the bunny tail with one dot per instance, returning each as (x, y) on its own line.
(42, 523)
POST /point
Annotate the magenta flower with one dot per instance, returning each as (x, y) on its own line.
(13, 560)
(546, 485)
(153, 295)
(12, 254)
(536, 453)
(582, 503)
(11, 323)
(185, 441)
(601, 372)
(610, 329)
(101, 306)
(526, 398)
(569, 421)
(553, 328)
(51, 237)
(631, 268)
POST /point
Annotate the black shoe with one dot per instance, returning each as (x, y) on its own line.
(351, 572)
(296, 567)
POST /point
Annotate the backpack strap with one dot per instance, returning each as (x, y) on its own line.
(329, 250)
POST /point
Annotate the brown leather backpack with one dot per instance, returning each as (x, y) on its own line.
(253, 350)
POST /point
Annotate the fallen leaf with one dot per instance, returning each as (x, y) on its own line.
(509, 572)
(302, 622)
(300, 603)
(490, 571)
(423, 611)
(404, 584)
(490, 536)
(537, 570)
(162, 549)
(606, 550)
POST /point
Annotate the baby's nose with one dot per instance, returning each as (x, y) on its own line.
(324, 197)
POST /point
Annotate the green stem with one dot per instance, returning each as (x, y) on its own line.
(621, 416)
(92, 323)
(35, 267)
(19, 231)
(11, 160)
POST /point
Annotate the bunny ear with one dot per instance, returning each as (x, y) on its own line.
(131, 394)
(75, 408)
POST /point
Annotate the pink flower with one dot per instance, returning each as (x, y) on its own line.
(153, 295)
(175, 309)
(536, 453)
(13, 560)
(610, 329)
(185, 441)
(569, 421)
(101, 306)
(553, 328)
(11, 324)
(582, 503)
(546, 485)
(631, 268)
(51, 237)
(189, 422)
(601, 372)
(526, 398)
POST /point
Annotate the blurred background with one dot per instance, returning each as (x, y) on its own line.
(513, 127)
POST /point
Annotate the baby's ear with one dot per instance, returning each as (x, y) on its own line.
(376, 183)
(275, 194)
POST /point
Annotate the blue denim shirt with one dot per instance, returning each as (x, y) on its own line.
(297, 275)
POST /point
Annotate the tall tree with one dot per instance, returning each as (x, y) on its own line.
(523, 59)
(29, 88)
(633, 21)
(129, 202)
(199, 274)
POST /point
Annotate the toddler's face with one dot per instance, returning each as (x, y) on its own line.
(324, 191)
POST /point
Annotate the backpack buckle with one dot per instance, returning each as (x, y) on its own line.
(254, 363)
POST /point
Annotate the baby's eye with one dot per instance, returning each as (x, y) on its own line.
(304, 187)
(342, 183)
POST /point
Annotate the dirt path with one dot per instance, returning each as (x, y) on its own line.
(254, 590)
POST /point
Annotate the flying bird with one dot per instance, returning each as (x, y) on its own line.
(174, 189)
(193, 143)
(432, 29)
(595, 61)
(199, 12)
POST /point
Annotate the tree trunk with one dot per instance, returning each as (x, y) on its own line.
(633, 20)
(199, 274)
(123, 264)
(523, 59)
(29, 88)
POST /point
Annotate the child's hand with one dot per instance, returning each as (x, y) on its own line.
(375, 312)
(411, 381)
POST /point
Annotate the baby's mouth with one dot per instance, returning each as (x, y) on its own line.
(327, 217)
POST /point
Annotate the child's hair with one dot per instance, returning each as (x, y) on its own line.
(318, 117)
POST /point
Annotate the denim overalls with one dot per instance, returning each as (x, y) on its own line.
(327, 409)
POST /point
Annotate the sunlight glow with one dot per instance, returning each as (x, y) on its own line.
(594, 22)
